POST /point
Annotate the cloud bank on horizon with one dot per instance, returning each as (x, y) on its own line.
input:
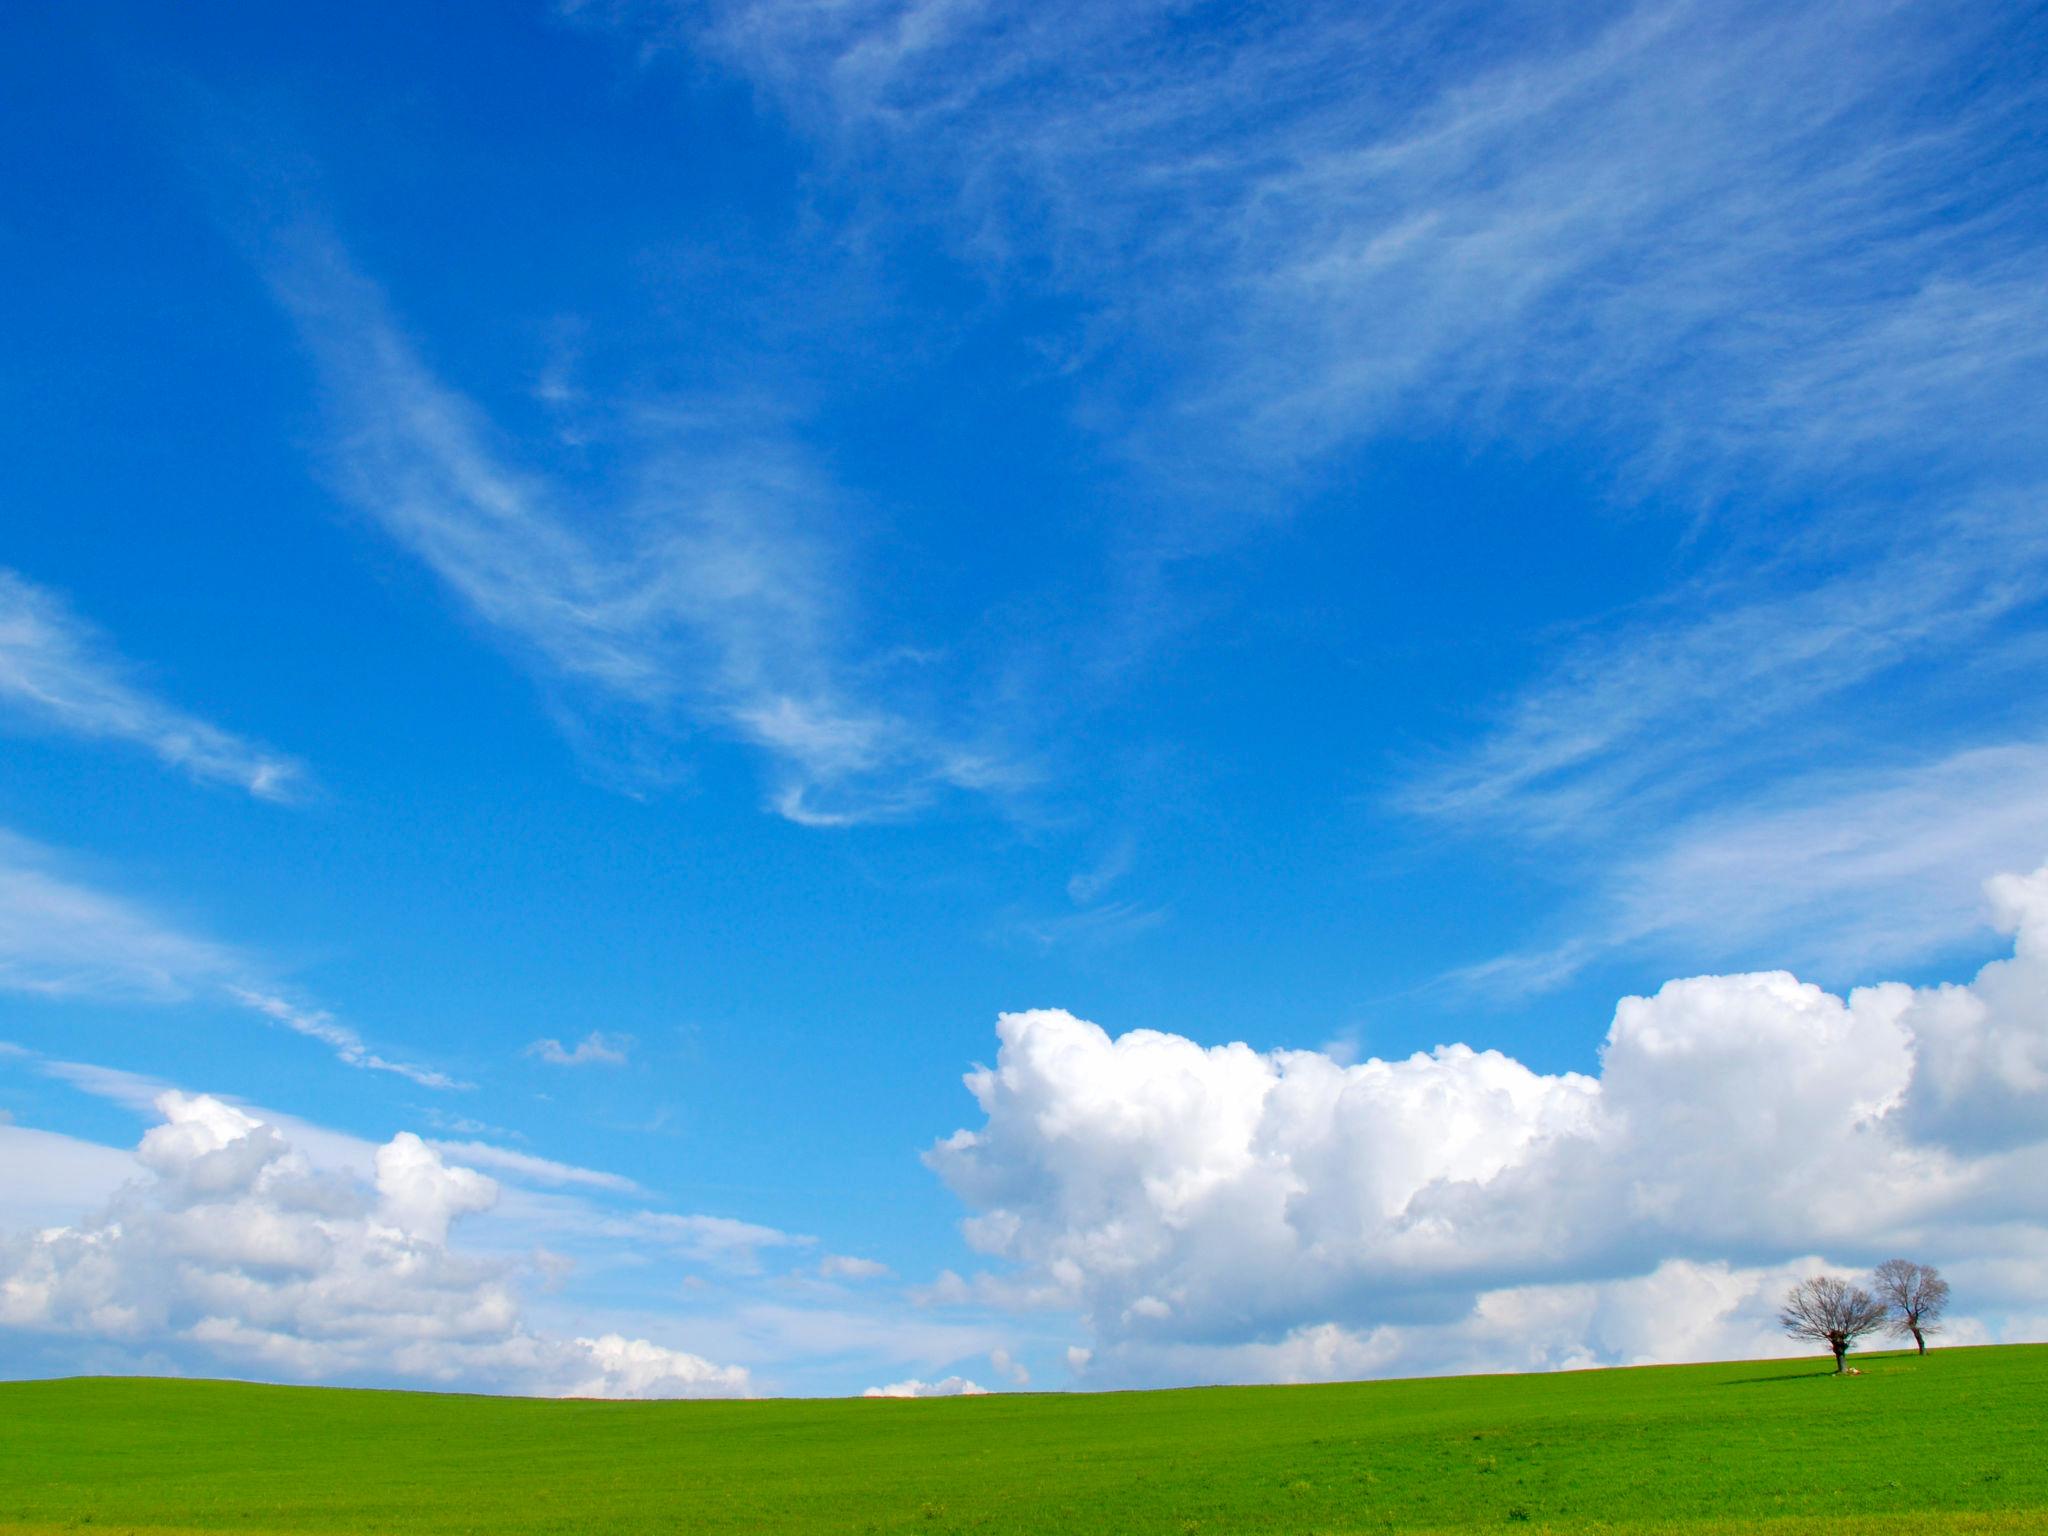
(1214, 1214)
(586, 598)
(233, 1250)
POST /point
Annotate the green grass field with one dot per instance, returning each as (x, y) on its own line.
(1957, 1442)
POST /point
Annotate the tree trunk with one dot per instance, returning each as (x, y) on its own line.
(1918, 1338)
(1840, 1351)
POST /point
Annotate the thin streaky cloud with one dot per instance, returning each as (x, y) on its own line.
(61, 938)
(1848, 869)
(1106, 925)
(1090, 884)
(1659, 706)
(347, 1045)
(137, 1092)
(58, 673)
(535, 1170)
(1776, 269)
(705, 594)
(846, 1266)
(721, 1241)
(596, 1049)
(1837, 873)
(1626, 760)
(1695, 226)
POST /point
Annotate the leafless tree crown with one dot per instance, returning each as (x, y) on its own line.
(1914, 1295)
(1832, 1312)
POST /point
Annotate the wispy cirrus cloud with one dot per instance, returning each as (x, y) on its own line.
(1837, 871)
(1108, 924)
(61, 938)
(537, 1170)
(58, 673)
(1642, 716)
(1773, 270)
(595, 1049)
(347, 1045)
(703, 591)
(1330, 222)
(1849, 868)
(845, 1266)
(1733, 766)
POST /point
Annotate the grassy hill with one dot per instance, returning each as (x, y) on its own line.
(1957, 1442)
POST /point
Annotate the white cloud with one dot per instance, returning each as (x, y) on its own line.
(1651, 711)
(56, 672)
(1345, 219)
(1262, 1212)
(1842, 870)
(635, 1368)
(537, 1170)
(951, 1386)
(1881, 865)
(592, 1264)
(1086, 887)
(420, 1194)
(1680, 1311)
(1113, 923)
(237, 1253)
(1770, 266)
(712, 595)
(51, 1178)
(721, 1241)
(62, 938)
(347, 1045)
(594, 1049)
(844, 1266)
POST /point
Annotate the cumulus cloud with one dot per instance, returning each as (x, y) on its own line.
(951, 1386)
(1681, 1310)
(235, 1253)
(595, 1049)
(1224, 1211)
(622, 1367)
(57, 672)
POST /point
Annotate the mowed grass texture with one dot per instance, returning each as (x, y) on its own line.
(1956, 1442)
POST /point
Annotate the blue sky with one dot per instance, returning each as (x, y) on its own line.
(608, 585)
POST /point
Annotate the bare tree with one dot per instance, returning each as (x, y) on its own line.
(1832, 1312)
(1915, 1295)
